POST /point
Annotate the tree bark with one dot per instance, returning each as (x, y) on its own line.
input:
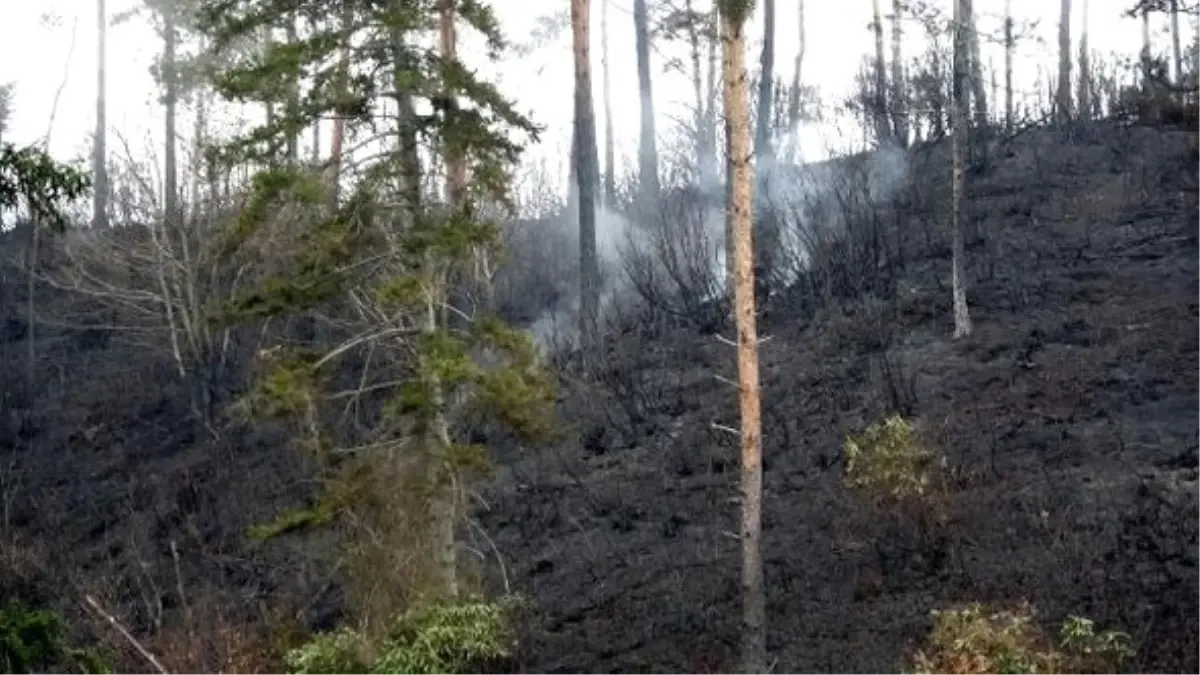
(1145, 48)
(1176, 49)
(647, 145)
(170, 79)
(1083, 84)
(880, 102)
(610, 180)
(706, 161)
(1062, 103)
(446, 499)
(794, 95)
(293, 102)
(99, 153)
(899, 90)
(958, 143)
(978, 87)
(585, 136)
(1009, 48)
(766, 80)
(737, 104)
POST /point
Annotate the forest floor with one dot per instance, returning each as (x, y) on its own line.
(1068, 421)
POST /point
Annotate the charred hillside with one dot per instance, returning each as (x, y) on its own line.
(1067, 424)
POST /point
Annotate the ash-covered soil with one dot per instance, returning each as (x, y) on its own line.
(1068, 421)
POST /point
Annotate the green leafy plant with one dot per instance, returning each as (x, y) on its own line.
(34, 640)
(888, 460)
(31, 176)
(976, 639)
(430, 638)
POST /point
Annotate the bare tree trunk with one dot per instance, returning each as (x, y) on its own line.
(293, 102)
(710, 99)
(99, 153)
(1145, 48)
(1176, 49)
(610, 180)
(1062, 102)
(977, 84)
(737, 104)
(705, 150)
(938, 103)
(959, 110)
(171, 80)
(1084, 83)
(1009, 48)
(794, 95)
(899, 89)
(337, 137)
(648, 144)
(880, 102)
(766, 79)
(585, 135)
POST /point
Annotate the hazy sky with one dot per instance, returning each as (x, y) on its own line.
(41, 57)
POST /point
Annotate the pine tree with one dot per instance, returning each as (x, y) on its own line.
(378, 262)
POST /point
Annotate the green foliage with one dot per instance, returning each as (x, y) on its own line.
(888, 461)
(736, 11)
(431, 638)
(1104, 652)
(34, 640)
(973, 639)
(30, 176)
(402, 369)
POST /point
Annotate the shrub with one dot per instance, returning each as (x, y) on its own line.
(888, 461)
(34, 640)
(431, 638)
(974, 640)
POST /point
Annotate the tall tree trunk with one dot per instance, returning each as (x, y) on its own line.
(710, 95)
(705, 155)
(766, 79)
(880, 100)
(610, 179)
(648, 144)
(1009, 48)
(293, 102)
(585, 135)
(1176, 49)
(766, 240)
(737, 107)
(1062, 103)
(795, 93)
(446, 500)
(1145, 48)
(337, 136)
(171, 80)
(958, 144)
(99, 153)
(899, 90)
(938, 95)
(1083, 96)
(977, 84)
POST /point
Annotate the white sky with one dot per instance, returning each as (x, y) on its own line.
(39, 57)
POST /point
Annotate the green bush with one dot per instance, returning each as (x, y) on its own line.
(972, 639)
(888, 461)
(34, 640)
(431, 638)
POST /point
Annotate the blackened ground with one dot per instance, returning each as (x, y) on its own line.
(1069, 420)
(1069, 423)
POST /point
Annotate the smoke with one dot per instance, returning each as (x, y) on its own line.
(557, 325)
(795, 190)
